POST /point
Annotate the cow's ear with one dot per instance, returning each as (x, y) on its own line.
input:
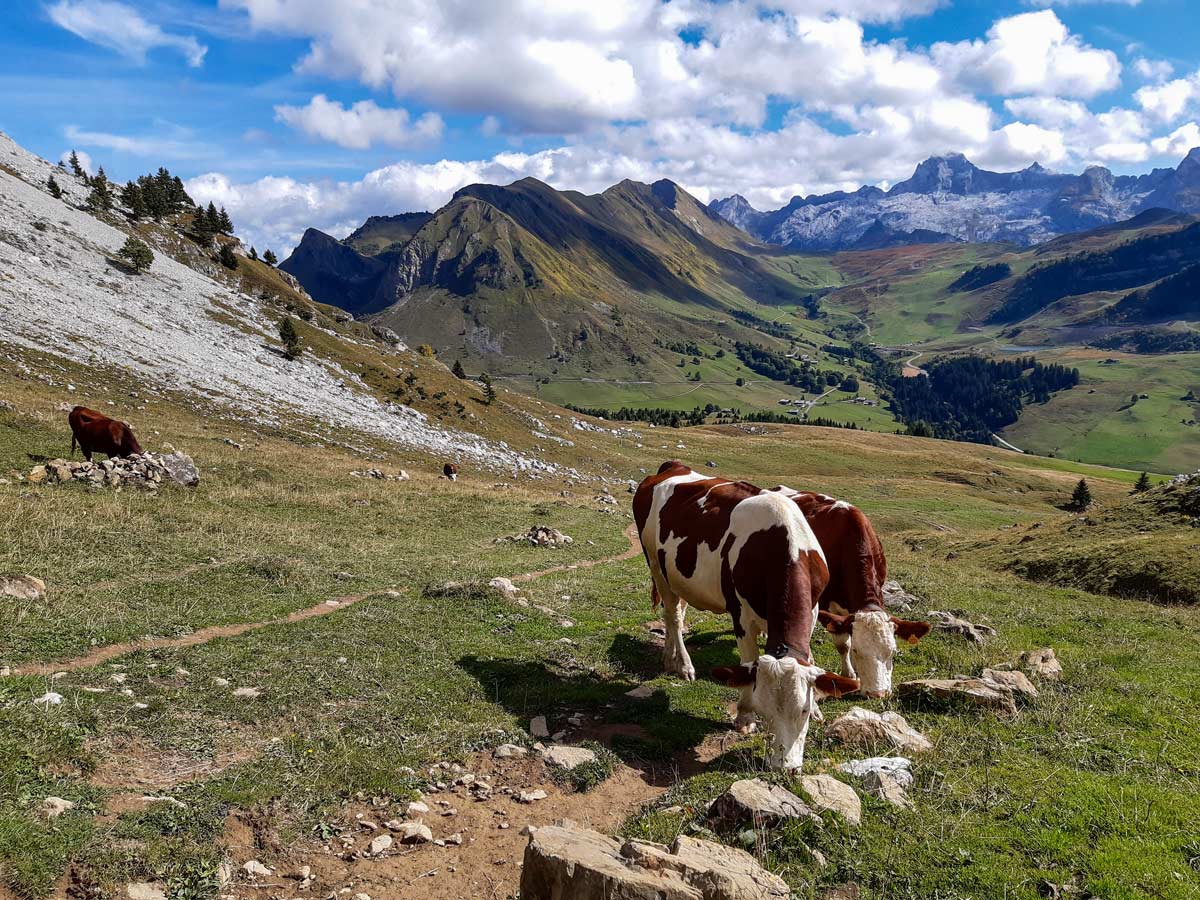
(734, 676)
(910, 631)
(830, 685)
(834, 623)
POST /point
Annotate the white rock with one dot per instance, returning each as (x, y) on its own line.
(380, 844)
(532, 796)
(568, 758)
(50, 698)
(416, 808)
(506, 751)
(255, 869)
(53, 807)
(415, 833)
(250, 692)
(642, 692)
(864, 727)
(897, 766)
(145, 890)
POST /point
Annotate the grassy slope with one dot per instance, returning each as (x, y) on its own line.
(349, 697)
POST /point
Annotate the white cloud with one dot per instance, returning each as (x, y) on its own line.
(1179, 142)
(1167, 102)
(361, 125)
(1050, 111)
(1157, 70)
(158, 146)
(122, 29)
(1031, 53)
(84, 160)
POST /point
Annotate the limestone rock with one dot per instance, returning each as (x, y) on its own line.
(566, 862)
(899, 767)
(504, 587)
(970, 691)
(1042, 663)
(566, 757)
(255, 869)
(1014, 681)
(532, 796)
(380, 845)
(754, 800)
(53, 807)
(50, 698)
(416, 808)
(181, 469)
(538, 727)
(887, 787)
(952, 624)
(22, 587)
(145, 890)
(896, 597)
(415, 833)
(827, 793)
(642, 692)
(865, 728)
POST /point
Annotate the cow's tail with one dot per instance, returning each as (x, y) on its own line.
(72, 443)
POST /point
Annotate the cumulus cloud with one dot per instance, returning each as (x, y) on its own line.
(1167, 102)
(122, 29)
(360, 126)
(1157, 70)
(1031, 53)
(1179, 142)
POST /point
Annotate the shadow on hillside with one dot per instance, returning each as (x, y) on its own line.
(643, 657)
(648, 734)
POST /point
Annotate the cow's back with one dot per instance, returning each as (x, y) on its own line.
(857, 565)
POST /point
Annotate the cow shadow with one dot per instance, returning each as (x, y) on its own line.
(651, 734)
(643, 656)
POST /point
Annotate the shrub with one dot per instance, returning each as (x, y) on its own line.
(290, 338)
(1081, 497)
(227, 257)
(426, 350)
(137, 254)
(53, 188)
(1143, 484)
(489, 391)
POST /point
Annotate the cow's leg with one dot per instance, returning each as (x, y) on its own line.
(842, 642)
(748, 651)
(675, 656)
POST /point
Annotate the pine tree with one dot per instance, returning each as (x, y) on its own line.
(224, 223)
(458, 369)
(133, 200)
(1143, 484)
(212, 218)
(489, 392)
(227, 257)
(53, 188)
(253, 252)
(270, 258)
(291, 340)
(1081, 497)
(137, 254)
(101, 197)
(73, 162)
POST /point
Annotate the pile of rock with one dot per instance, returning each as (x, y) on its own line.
(146, 470)
(539, 536)
(380, 475)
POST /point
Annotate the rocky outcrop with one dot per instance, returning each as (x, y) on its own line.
(335, 274)
(566, 862)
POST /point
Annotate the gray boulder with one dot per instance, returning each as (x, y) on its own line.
(967, 691)
(566, 862)
(827, 793)
(1042, 663)
(181, 469)
(22, 587)
(759, 803)
(865, 728)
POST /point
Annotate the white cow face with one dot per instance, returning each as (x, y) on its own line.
(785, 694)
(873, 645)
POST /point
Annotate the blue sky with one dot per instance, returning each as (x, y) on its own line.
(312, 112)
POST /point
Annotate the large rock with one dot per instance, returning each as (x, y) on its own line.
(754, 800)
(181, 469)
(969, 691)
(865, 728)
(1042, 663)
(22, 587)
(566, 862)
(1014, 681)
(568, 758)
(827, 793)
(952, 624)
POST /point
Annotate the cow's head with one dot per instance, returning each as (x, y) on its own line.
(873, 636)
(786, 692)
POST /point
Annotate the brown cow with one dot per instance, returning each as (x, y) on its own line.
(97, 433)
(852, 607)
(450, 470)
(728, 547)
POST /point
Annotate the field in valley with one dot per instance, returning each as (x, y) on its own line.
(1093, 788)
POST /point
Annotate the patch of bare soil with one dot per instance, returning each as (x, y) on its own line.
(487, 864)
(134, 763)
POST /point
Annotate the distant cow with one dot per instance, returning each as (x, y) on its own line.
(852, 607)
(727, 546)
(97, 433)
(450, 470)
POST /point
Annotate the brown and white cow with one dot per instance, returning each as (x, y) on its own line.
(97, 433)
(450, 470)
(727, 546)
(852, 607)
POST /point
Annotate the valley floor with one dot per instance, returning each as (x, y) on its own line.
(269, 743)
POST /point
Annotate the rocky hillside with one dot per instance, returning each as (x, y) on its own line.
(948, 198)
(192, 327)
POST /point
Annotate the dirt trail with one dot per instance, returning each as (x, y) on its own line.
(204, 635)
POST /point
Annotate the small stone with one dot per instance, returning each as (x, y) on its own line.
(531, 796)
(415, 833)
(145, 890)
(568, 758)
(221, 682)
(866, 728)
(504, 587)
(538, 728)
(22, 587)
(248, 692)
(1014, 681)
(973, 691)
(952, 624)
(302, 874)
(507, 751)
(887, 787)
(898, 767)
(255, 869)
(380, 844)
(642, 692)
(50, 698)
(827, 793)
(1042, 663)
(754, 800)
(416, 808)
(53, 807)
(455, 839)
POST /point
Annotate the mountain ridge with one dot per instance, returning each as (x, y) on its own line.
(952, 199)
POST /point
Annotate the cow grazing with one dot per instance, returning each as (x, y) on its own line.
(450, 470)
(97, 433)
(727, 546)
(852, 607)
